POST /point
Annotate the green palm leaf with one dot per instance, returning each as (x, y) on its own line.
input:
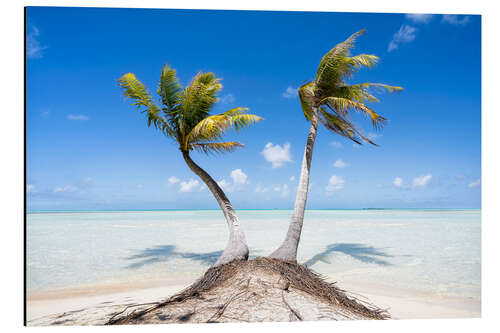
(186, 112)
(331, 90)
(169, 88)
(134, 89)
(239, 119)
(333, 65)
(362, 60)
(197, 99)
(216, 147)
(213, 127)
(342, 126)
(380, 86)
(306, 97)
(344, 105)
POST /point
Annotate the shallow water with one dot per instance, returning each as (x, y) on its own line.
(436, 251)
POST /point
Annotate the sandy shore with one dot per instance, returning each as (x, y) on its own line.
(411, 304)
(45, 308)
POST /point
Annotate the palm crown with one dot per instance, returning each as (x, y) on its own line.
(185, 112)
(331, 98)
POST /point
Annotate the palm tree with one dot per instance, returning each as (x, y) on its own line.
(184, 116)
(329, 100)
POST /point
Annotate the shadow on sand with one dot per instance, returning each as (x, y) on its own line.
(361, 252)
(163, 253)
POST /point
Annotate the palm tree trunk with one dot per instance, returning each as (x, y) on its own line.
(288, 250)
(237, 246)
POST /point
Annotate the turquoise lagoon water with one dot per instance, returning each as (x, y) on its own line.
(436, 251)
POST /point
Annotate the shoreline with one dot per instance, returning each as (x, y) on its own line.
(43, 307)
(105, 289)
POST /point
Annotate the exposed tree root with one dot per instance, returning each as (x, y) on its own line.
(294, 312)
(255, 291)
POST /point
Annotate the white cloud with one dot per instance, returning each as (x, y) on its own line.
(405, 34)
(292, 178)
(30, 188)
(335, 183)
(225, 185)
(173, 180)
(239, 179)
(336, 144)
(398, 182)
(422, 181)
(33, 47)
(277, 155)
(64, 189)
(475, 183)
(81, 117)
(339, 163)
(260, 189)
(190, 186)
(455, 20)
(419, 18)
(227, 99)
(290, 92)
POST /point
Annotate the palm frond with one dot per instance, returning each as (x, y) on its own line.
(216, 147)
(357, 92)
(186, 112)
(306, 94)
(135, 90)
(334, 98)
(239, 119)
(213, 127)
(344, 105)
(169, 88)
(362, 60)
(343, 127)
(197, 99)
(379, 86)
(335, 64)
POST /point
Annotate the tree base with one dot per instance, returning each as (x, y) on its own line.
(259, 290)
(237, 250)
(284, 253)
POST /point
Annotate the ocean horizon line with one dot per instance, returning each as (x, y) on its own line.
(39, 211)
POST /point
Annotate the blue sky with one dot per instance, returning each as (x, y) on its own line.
(87, 148)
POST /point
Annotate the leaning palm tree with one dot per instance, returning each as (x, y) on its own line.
(184, 116)
(329, 100)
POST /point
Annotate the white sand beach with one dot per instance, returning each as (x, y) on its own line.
(415, 263)
(44, 309)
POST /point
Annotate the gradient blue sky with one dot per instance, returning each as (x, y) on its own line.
(87, 148)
